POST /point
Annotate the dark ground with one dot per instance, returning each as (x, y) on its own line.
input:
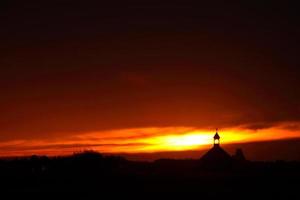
(91, 175)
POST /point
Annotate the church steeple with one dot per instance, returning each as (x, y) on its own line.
(216, 157)
(217, 138)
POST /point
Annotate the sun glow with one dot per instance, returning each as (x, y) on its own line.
(143, 140)
(188, 140)
(180, 142)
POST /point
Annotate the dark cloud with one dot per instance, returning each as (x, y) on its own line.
(68, 67)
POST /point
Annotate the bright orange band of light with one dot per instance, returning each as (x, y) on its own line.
(141, 140)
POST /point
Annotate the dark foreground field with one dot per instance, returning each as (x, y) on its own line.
(92, 175)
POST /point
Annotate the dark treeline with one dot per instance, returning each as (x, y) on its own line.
(95, 174)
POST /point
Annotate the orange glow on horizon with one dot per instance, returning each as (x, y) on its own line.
(141, 140)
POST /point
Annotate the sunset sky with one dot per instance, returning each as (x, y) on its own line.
(146, 77)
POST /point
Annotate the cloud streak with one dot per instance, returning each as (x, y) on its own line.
(147, 140)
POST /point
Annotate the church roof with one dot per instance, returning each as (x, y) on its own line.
(216, 156)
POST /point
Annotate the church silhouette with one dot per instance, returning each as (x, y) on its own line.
(217, 157)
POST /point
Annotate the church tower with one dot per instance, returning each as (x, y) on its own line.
(217, 139)
(216, 157)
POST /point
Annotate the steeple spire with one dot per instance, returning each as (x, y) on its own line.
(217, 138)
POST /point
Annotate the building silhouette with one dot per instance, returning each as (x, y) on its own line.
(216, 157)
(239, 156)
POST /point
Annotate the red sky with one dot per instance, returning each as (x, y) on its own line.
(151, 76)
